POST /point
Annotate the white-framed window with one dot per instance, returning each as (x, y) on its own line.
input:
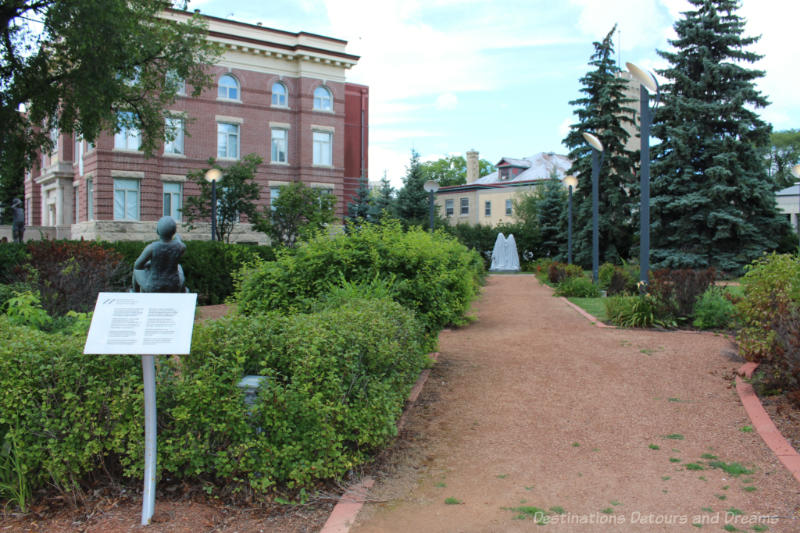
(323, 190)
(274, 193)
(79, 159)
(76, 190)
(90, 199)
(174, 128)
(487, 210)
(128, 137)
(228, 88)
(464, 206)
(323, 148)
(448, 207)
(322, 99)
(126, 199)
(174, 79)
(279, 95)
(173, 200)
(227, 140)
(508, 207)
(279, 145)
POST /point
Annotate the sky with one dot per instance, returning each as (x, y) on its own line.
(497, 76)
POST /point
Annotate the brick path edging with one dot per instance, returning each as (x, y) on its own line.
(344, 513)
(763, 424)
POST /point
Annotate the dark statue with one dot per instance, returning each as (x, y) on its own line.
(18, 228)
(157, 269)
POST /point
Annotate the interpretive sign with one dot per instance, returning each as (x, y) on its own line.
(141, 323)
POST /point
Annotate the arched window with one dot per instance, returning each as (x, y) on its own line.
(228, 88)
(322, 99)
(279, 94)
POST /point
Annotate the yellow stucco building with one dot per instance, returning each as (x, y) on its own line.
(489, 200)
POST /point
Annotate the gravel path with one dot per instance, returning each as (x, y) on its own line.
(534, 407)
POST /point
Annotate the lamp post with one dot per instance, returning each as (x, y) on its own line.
(597, 162)
(647, 85)
(796, 172)
(213, 175)
(571, 182)
(431, 186)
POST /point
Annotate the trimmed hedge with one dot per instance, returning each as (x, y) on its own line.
(69, 274)
(208, 265)
(337, 381)
(432, 274)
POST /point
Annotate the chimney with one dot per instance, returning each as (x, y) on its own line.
(473, 167)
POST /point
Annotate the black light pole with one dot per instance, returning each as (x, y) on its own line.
(597, 162)
(431, 186)
(796, 172)
(647, 85)
(571, 182)
(213, 175)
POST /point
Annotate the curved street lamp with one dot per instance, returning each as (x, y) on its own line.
(647, 85)
(571, 182)
(213, 175)
(796, 173)
(431, 186)
(597, 162)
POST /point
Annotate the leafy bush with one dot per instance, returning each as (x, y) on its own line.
(337, 381)
(12, 256)
(616, 279)
(642, 311)
(713, 310)
(434, 275)
(679, 290)
(771, 287)
(558, 272)
(579, 287)
(208, 265)
(67, 414)
(783, 372)
(69, 274)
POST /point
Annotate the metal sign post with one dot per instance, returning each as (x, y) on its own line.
(149, 324)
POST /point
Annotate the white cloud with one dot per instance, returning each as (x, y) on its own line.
(446, 101)
(635, 19)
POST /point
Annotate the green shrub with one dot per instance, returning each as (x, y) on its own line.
(12, 256)
(558, 272)
(207, 265)
(578, 287)
(68, 414)
(434, 275)
(604, 274)
(713, 310)
(771, 287)
(337, 381)
(636, 312)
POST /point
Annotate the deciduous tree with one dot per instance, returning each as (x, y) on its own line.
(75, 65)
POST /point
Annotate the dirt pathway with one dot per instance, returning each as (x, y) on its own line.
(534, 407)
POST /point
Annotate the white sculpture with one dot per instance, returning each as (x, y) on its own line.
(504, 255)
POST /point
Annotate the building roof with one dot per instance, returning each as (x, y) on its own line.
(537, 167)
(789, 191)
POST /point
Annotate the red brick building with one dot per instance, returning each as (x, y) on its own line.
(278, 94)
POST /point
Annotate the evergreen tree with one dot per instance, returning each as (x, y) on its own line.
(382, 204)
(713, 203)
(604, 112)
(552, 208)
(412, 200)
(358, 210)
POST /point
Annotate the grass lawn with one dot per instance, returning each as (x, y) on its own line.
(593, 306)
